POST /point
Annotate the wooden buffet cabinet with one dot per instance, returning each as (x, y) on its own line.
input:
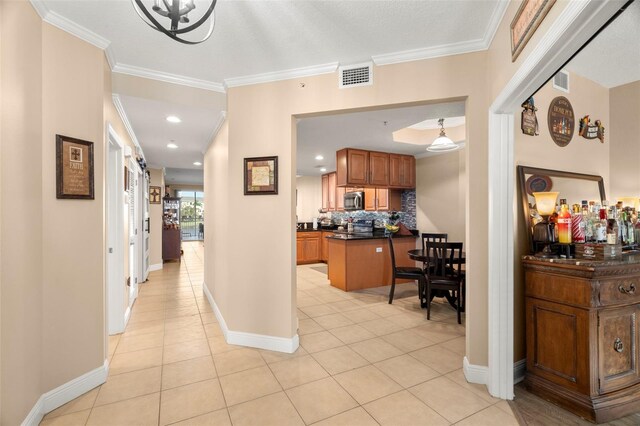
(583, 336)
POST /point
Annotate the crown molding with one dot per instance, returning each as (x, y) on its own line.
(111, 57)
(448, 49)
(429, 52)
(168, 77)
(125, 120)
(69, 26)
(494, 22)
(281, 75)
(221, 118)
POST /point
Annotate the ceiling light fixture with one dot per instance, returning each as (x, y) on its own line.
(173, 119)
(319, 157)
(442, 142)
(323, 169)
(197, 163)
(172, 146)
(177, 12)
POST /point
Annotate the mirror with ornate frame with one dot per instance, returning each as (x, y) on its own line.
(574, 187)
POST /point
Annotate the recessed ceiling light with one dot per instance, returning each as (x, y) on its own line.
(323, 169)
(173, 119)
(197, 163)
(172, 145)
(319, 157)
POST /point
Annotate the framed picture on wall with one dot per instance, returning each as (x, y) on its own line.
(526, 21)
(74, 169)
(155, 194)
(261, 176)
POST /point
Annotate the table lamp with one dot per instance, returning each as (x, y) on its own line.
(544, 232)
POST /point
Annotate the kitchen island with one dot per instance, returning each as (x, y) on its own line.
(359, 261)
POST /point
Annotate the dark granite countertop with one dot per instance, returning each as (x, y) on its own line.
(365, 236)
(315, 230)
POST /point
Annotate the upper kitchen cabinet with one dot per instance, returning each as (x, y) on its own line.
(402, 171)
(332, 199)
(352, 167)
(378, 168)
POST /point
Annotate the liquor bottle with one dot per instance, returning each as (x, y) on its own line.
(564, 224)
(588, 223)
(621, 219)
(612, 227)
(631, 235)
(601, 227)
(578, 234)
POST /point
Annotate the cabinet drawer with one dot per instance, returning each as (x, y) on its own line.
(619, 291)
(618, 341)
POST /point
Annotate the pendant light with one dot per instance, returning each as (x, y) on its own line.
(177, 11)
(442, 142)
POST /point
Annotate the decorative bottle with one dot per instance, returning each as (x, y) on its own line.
(564, 225)
(612, 227)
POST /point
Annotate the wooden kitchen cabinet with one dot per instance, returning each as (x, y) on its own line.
(329, 193)
(352, 167)
(340, 198)
(325, 192)
(308, 247)
(402, 171)
(378, 168)
(382, 199)
(582, 322)
(332, 191)
(325, 245)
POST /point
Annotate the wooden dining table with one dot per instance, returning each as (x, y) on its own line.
(420, 255)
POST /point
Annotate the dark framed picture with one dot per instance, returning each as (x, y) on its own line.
(74, 169)
(261, 176)
(155, 194)
(527, 19)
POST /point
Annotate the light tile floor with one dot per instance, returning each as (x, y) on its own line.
(361, 362)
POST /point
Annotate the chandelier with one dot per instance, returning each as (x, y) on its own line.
(442, 142)
(177, 12)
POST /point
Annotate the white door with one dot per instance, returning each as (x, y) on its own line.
(134, 226)
(143, 223)
(115, 274)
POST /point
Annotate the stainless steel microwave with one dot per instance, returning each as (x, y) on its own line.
(354, 201)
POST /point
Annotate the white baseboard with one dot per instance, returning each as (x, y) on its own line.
(261, 341)
(156, 267)
(475, 373)
(519, 368)
(65, 393)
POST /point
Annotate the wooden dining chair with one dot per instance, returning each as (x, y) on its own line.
(446, 273)
(406, 272)
(431, 238)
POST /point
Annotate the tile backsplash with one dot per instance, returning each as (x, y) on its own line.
(407, 215)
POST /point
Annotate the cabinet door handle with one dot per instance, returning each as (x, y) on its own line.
(618, 346)
(630, 290)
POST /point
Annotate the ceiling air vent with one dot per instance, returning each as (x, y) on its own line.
(356, 75)
(561, 81)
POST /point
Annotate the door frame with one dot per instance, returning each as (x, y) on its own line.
(135, 248)
(575, 25)
(114, 247)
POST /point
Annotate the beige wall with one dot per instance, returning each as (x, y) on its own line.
(53, 305)
(624, 134)
(21, 228)
(309, 197)
(441, 189)
(217, 220)
(269, 308)
(580, 156)
(155, 214)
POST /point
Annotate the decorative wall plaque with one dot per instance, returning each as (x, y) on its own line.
(155, 194)
(561, 121)
(529, 121)
(591, 131)
(525, 22)
(74, 168)
(260, 175)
